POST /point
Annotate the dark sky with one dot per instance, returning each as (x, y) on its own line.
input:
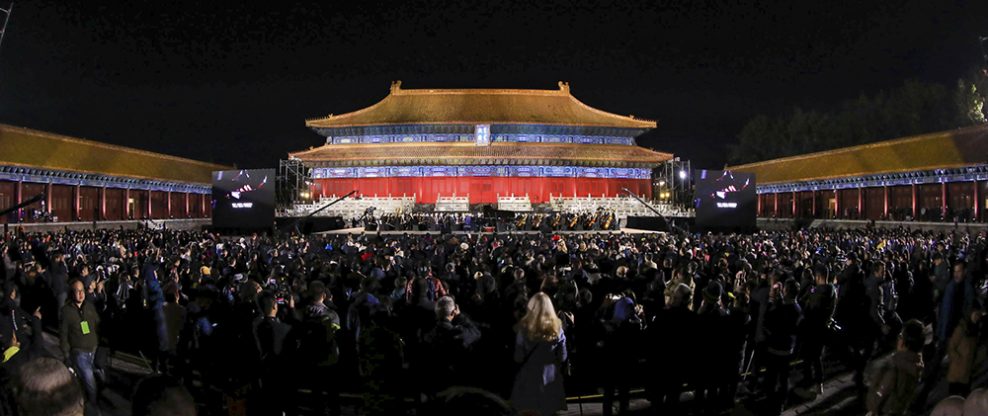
(232, 82)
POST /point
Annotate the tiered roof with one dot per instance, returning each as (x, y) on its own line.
(480, 106)
(499, 153)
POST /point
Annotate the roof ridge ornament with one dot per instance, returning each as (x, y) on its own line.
(564, 87)
(395, 86)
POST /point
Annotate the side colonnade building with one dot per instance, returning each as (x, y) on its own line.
(940, 176)
(85, 180)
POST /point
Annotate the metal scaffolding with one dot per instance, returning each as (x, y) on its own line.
(673, 183)
(292, 183)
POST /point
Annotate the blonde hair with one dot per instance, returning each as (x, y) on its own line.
(540, 322)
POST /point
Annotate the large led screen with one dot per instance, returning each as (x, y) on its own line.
(725, 200)
(243, 198)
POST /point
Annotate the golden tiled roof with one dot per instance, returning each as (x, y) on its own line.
(941, 150)
(464, 153)
(33, 148)
(480, 106)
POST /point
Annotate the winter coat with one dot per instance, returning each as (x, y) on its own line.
(539, 382)
(781, 324)
(964, 354)
(894, 385)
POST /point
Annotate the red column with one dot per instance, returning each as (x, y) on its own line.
(48, 196)
(977, 202)
(943, 200)
(813, 199)
(915, 208)
(19, 197)
(759, 208)
(168, 204)
(126, 201)
(794, 204)
(836, 203)
(775, 208)
(885, 203)
(149, 204)
(186, 205)
(860, 203)
(76, 204)
(102, 204)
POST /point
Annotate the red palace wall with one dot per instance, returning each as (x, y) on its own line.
(482, 190)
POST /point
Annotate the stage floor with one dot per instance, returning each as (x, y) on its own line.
(359, 230)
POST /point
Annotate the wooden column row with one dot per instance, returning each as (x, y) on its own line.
(75, 202)
(769, 204)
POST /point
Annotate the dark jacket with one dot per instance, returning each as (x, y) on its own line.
(894, 384)
(447, 346)
(821, 302)
(71, 333)
(58, 279)
(781, 324)
(313, 341)
(270, 334)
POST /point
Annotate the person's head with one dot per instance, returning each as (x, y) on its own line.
(951, 406)
(10, 292)
(162, 396)
(269, 305)
(821, 275)
(45, 387)
(518, 274)
(446, 308)
(712, 293)
(621, 272)
(540, 322)
(679, 296)
(878, 269)
(959, 269)
(977, 402)
(317, 292)
(912, 337)
(78, 291)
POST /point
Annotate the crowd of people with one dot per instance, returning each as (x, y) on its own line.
(440, 323)
(600, 220)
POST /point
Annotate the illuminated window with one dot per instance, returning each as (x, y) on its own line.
(482, 134)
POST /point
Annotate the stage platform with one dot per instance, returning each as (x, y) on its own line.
(359, 230)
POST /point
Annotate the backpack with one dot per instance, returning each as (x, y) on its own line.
(317, 344)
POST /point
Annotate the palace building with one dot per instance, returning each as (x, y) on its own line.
(481, 144)
(939, 176)
(85, 180)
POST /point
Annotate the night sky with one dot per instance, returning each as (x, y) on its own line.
(232, 83)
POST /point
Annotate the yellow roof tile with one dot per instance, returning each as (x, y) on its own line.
(480, 106)
(946, 149)
(33, 148)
